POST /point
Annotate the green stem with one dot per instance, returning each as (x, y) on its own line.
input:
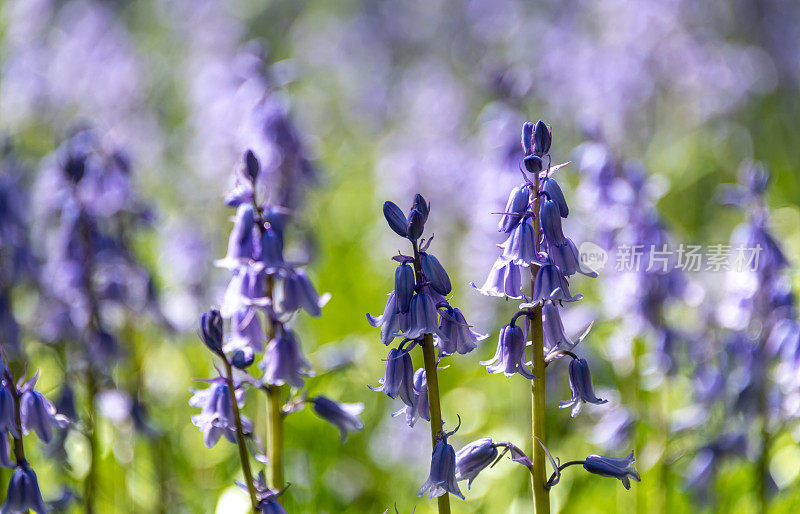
(90, 484)
(275, 437)
(763, 457)
(541, 494)
(432, 377)
(245, 458)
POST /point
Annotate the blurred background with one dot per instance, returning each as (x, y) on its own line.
(659, 105)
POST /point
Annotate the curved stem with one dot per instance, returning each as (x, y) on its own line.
(560, 469)
(541, 494)
(429, 355)
(245, 458)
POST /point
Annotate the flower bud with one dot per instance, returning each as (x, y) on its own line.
(421, 205)
(396, 219)
(527, 137)
(541, 138)
(243, 358)
(416, 224)
(211, 330)
(251, 165)
(435, 274)
(533, 163)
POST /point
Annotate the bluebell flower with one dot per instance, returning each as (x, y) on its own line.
(23, 492)
(216, 415)
(246, 287)
(567, 259)
(416, 224)
(420, 408)
(246, 331)
(271, 248)
(553, 329)
(550, 284)
(510, 355)
(243, 239)
(37, 413)
(211, 330)
(403, 286)
(396, 219)
(516, 206)
(422, 317)
(621, 468)
(550, 218)
(283, 362)
(435, 274)
(442, 478)
(580, 383)
(392, 322)
(5, 451)
(474, 458)
(504, 280)
(520, 247)
(295, 291)
(270, 506)
(457, 336)
(343, 416)
(553, 190)
(7, 417)
(398, 378)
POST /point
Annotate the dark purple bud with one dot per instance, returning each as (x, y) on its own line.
(396, 219)
(422, 206)
(403, 286)
(580, 382)
(474, 458)
(504, 280)
(550, 219)
(398, 377)
(211, 330)
(515, 207)
(541, 138)
(457, 336)
(251, 165)
(442, 478)
(435, 274)
(620, 468)
(283, 362)
(23, 492)
(553, 190)
(550, 284)
(510, 355)
(416, 224)
(533, 163)
(343, 416)
(527, 138)
(242, 359)
(270, 506)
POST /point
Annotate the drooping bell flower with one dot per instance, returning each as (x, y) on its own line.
(504, 280)
(7, 418)
(246, 287)
(553, 329)
(457, 336)
(216, 417)
(246, 331)
(398, 378)
(421, 408)
(620, 468)
(343, 416)
(295, 291)
(403, 286)
(422, 317)
(553, 190)
(510, 355)
(283, 362)
(242, 242)
(5, 451)
(580, 383)
(392, 322)
(550, 284)
(442, 478)
(520, 247)
(550, 218)
(37, 414)
(23, 492)
(435, 273)
(515, 207)
(271, 248)
(474, 458)
(567, 259)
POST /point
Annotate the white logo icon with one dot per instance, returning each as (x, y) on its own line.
(593, 256)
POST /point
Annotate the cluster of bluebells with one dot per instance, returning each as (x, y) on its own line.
(263, 295)
(23, 410)
(532, 212)
(755, 376)
(418, 307)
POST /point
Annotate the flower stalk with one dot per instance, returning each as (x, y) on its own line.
(243, 455)
(275, 437)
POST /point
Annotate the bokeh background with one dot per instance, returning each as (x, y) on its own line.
(387, 99)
